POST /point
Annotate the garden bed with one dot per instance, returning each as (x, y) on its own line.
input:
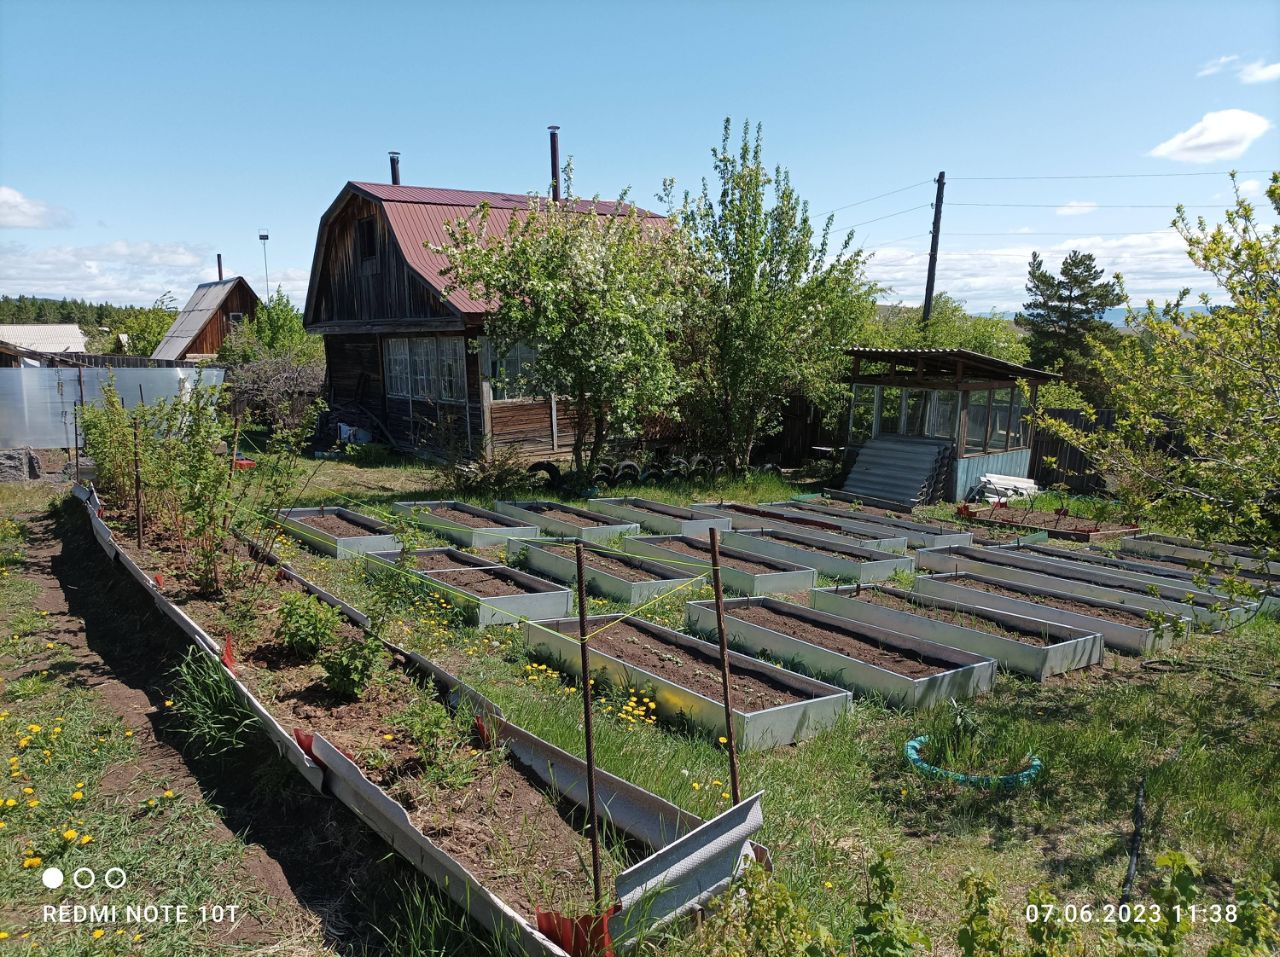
(861, 657)
(844, 561)
(558, 519)
(1071, 527)
(1031, 646)
(1127, 629)
(613, 575)
(339, 532)
(465, 524)
(429, 560)
(660, 517)
(1216, 554)
(740, 571)
(918, 534)
(680, 677)
(750, 517)
(499, 595)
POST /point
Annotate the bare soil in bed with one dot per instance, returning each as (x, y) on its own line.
(729, 561)
(950, 616)
(560, 515)
(485, 583)
(816, 548)
(460, 517)
(1136, 618)
(843, 641)
(700, 673)
(615, 565)
(336, 525)
(1030, 518)
(435, 561)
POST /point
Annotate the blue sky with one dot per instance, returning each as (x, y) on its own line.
(139, 139)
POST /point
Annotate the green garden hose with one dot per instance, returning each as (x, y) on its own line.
(990, 781)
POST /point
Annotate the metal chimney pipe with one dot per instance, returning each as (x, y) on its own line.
(395, 167)
(219, 267)
(555, 163)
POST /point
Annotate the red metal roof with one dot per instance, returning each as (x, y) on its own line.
(418, 214)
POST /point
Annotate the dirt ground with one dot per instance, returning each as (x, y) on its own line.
(304, 853)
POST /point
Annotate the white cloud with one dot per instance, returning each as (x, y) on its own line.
(1077, 208)
(1250, 187)
(1217, 66)
(1259, 72)
(1155, 266)
(22, 212)
(123, 272)
(1224, 134)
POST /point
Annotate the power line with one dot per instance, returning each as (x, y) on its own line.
(900, 239)
(869, 199)
(1110, 175)
(901, 212)
(1085, 234)
(1091, 205)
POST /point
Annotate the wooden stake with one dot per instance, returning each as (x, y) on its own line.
(137, 479)
(586, 729)
(724, 667)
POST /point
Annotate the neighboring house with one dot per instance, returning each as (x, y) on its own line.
(405, 361)
(25, 344)
(207, 319)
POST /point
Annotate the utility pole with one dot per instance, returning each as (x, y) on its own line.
(933, 251)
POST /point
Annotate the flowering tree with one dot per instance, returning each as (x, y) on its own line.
(591, 287)
(1211, 377)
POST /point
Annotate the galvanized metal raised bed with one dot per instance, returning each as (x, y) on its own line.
(1065, 649)
(544, 599)
(389, 562)
(660, 517)
(611, 528)
(379, 538)
(1121, 636)
(851, 562)
(748, 517)
(499, 529)
(966, 674)
(1187, 549)
(919, 535)
(1211, 610)
(753, 730)
(785, 577)
(840, 495)
(563, 568)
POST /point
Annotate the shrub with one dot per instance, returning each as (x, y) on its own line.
(760, 918)
(350, 662)
(306, 624)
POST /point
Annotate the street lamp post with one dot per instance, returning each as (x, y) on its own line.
(262, 235)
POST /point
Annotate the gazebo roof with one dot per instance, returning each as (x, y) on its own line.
(938, 368)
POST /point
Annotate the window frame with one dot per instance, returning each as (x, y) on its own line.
(397, 381)
(457, 382)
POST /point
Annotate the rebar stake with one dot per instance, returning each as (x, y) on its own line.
(596, 880)
(137, 480)
(724, 666)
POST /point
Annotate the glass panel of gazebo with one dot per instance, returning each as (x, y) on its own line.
(975, 436)
(944, 415)
(915, 410)
(1002, 399)
(890, 410)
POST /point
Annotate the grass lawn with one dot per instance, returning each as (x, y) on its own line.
(1199, 725)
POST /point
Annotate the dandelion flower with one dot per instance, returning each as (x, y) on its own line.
(697, 786)
(86, 839)
(388, 737)
(725, 795)
(70, 834)
(28, 790)
(30, 862)
(77, 795)
(33, 803)
(33, 728)
(168, 703)
(723, 739)
(98, 934)
(828, 885)
(128, 734)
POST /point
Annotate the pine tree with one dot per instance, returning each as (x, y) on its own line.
(1064, 316)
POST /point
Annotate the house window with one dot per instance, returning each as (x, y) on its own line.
(367, 238)
(235, 318)
(422, 353)
(452, 368)
(395, 364)
(507, 373)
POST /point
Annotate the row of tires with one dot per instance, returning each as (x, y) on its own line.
(698, 467)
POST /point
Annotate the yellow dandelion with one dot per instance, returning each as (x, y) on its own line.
(98, 933)
(168, 793)
(725, 795)
(128, 734)
(697, 786)
(723, 739)
(70, 834)
(388, 737)
(168, 703)
(33, 803)
(77, 795)
(828, 885)
(28, 790)
(86, 839)
(30, 862)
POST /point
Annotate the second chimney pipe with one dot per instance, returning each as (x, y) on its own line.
(219, 267)
(555, 163)
(395, 168)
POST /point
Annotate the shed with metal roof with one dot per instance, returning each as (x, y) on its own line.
(207, 319)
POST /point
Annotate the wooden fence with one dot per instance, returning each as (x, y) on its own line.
(1073, 466)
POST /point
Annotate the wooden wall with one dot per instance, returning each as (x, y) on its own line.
(353, 289)
(526, 424)
(209, 339)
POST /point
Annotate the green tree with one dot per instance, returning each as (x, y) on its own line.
(145, 327)
(1064, 316)
(275, 329)
(592, 289)
(770, 308)
(951, 326)
(1210, 376)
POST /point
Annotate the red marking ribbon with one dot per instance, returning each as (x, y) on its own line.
(585, 936)
(228, 657)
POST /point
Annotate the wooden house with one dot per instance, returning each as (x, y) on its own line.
(406, 361)
(207, 319)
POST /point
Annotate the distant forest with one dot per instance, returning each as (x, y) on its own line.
(26, 309)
